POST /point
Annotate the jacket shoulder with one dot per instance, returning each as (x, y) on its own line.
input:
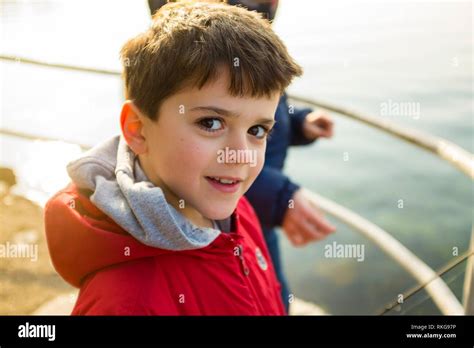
(72, 197)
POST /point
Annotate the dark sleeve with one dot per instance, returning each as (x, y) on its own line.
(270, 195)
(296, 123)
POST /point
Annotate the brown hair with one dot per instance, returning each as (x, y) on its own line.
(187, 43)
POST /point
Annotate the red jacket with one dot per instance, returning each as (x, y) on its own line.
(118, 275)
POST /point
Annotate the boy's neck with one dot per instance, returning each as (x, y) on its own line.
(189, 213)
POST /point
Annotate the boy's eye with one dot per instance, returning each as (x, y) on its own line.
(259, 131)
(210, 124)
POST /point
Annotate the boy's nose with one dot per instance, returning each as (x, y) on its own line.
(239, 151)
(238, 141)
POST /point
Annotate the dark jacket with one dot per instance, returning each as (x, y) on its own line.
(271, 191)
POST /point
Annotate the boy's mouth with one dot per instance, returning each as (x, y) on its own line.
(224, 184)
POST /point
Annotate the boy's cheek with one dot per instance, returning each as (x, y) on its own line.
(187, 153)
(257, 168)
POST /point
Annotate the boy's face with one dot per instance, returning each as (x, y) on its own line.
(207, 147)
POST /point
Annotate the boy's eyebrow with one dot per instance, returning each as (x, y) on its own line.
(223, 112)
(228, 113)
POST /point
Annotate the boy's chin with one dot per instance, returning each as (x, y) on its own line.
(220, 212)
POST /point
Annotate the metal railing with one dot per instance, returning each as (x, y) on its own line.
(442, 296)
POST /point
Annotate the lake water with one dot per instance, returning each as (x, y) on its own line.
(358, 54)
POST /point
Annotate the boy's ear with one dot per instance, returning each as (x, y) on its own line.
(132, 125)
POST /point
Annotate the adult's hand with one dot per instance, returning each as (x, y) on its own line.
(303, 222)
(318, 124)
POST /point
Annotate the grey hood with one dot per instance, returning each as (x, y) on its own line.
(123, 192)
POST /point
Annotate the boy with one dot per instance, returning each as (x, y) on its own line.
(154, 221)
(272, 191)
